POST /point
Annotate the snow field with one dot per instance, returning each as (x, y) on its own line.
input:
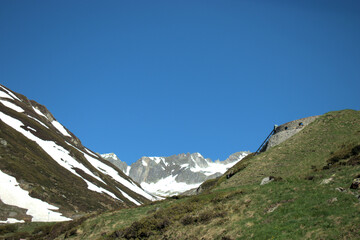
(91, 153)
(166, 186)
(61, 128)
(12, 220)
(12, 194)
(5, 95)
(128, 197)
(12, 106)
(39, 112)
(12, 96)
(158, 159)
(38, 121)
(95, 188)
(58, 153)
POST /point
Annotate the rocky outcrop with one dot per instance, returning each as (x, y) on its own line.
(111, 157)
(287, 130)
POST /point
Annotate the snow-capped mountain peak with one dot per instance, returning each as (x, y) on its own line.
(175, 174)
(110, 156)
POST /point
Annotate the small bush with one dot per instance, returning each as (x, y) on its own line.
(346, 155)
(42, 230)
(143, 228)
(206, 216)
(8, 228)
(226, 238)
(187, 220)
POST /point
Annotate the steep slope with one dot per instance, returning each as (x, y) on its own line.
(167, 176)
(311, 195)
(47, 174)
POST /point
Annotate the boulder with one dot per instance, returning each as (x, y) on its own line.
(267, 180)
(327, 181)
(355, 184)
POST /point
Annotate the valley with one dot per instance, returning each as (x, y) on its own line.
(52, 187)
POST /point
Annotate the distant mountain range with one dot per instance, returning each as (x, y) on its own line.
(167, 176)
(46, 174)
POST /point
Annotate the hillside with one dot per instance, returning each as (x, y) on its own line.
(47, 174)
(309, 196)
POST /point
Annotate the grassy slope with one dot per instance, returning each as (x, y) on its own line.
(295, 206)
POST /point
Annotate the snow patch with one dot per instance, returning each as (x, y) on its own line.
(144, 163)
(91, 153)
(185, 165)
(95, 188)
(12, 194)
(56, 152)
(39, 112)
(31, 129)
(155, 159)
(128, 170)
(5, 95)
(61, 128)
(11, 94)
(38, 121)
(12, 106)
(213, 167)
(168, 186)
(12, 220)
(102, 167)
(128, 197)
(110, 155)
(158, 160)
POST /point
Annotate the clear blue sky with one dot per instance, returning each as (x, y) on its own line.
(156, 78)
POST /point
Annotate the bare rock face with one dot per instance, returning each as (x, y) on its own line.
(287, 130)
(111, 157)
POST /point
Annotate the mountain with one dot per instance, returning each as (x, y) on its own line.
(46, 174)
(313, 192)
(111, 157)
(167, 176)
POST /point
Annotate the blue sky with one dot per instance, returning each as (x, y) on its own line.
(156, 78)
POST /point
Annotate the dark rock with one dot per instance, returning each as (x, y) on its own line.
(355, 184)
(309, 178)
